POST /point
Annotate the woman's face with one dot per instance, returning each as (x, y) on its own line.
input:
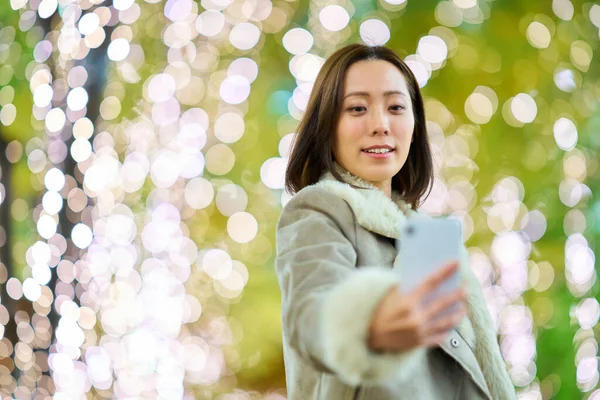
(376, 123)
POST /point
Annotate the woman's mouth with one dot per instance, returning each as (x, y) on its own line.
(379, 152)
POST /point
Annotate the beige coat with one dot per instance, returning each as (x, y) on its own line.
(335, 260)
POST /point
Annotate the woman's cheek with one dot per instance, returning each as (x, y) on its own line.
(356, 128)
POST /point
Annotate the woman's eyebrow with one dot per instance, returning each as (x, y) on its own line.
(367, 94)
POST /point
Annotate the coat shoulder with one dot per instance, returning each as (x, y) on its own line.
(315, 199)
(318, 199)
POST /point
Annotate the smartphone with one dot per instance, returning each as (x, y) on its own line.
(425, 246)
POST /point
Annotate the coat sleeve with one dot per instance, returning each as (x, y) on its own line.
(327, 303)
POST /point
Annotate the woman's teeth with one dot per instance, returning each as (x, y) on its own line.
(378, 151)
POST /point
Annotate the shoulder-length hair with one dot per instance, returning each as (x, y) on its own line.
(312, 152)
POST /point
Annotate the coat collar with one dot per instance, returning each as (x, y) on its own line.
(373, 209)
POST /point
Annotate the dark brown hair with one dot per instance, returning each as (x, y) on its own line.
(312, 152)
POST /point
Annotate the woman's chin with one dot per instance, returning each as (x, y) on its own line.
(373, 172)
(380, 174)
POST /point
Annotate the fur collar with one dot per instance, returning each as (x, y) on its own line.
(373, 209)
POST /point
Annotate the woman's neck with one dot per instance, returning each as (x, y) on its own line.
(385, 187)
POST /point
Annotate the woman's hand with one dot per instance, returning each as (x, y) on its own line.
(404, 321)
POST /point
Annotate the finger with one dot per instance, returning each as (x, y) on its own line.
(436, 340)
(446, 323)
(446, 301)
(436, 279)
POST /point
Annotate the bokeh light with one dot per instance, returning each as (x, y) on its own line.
(334, 17)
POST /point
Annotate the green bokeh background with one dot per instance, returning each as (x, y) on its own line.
(503, 151)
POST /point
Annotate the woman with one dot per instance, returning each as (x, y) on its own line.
(359, 167)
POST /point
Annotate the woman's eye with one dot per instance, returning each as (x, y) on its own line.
(356, 108)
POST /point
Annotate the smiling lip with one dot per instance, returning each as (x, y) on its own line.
(379, 155)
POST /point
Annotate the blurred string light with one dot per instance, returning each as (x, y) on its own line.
(123, 336)
(511, 247)
(60, 105)
(580, 272)
(142, 311)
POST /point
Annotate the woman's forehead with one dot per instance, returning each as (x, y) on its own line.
(375, 78)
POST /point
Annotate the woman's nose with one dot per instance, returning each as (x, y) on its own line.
(380, 125)
(381, 130)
